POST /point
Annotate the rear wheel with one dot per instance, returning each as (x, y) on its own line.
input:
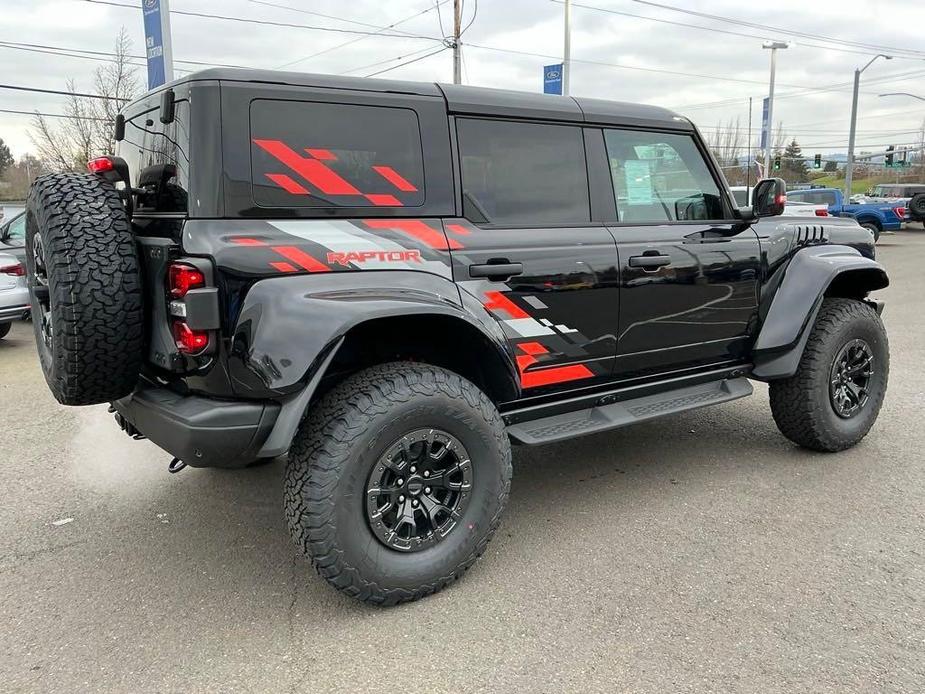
(835, 396)
(396, 481)
(5, 329)
(85, 286)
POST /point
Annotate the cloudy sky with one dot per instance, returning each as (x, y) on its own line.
(622, 49)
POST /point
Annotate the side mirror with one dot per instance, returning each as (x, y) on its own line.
(167, 107)
(769, 197)
(119, 128)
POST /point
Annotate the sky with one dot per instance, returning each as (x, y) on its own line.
(626, 50)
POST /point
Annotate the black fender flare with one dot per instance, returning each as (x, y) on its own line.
(811, 274)
(290, 328)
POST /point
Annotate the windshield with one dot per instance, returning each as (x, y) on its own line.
(16, 229)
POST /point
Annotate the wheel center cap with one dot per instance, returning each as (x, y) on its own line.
(415, 486)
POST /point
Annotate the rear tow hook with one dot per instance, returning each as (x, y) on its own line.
(175, 466)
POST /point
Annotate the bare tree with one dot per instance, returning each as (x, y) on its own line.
(728, 146)
(87, 131)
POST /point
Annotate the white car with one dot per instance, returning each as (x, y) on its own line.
(743, 194)
(14, 294)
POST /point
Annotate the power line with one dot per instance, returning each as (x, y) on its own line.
(363, 38)
(267, 22)
(408, 62)
(320, 14)
(44, 47)
(383, 62)
(781, 30)
(63, 93)
(703, 28)
(49, 115)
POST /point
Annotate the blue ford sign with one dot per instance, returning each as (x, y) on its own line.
(157, 42)
(552, 79)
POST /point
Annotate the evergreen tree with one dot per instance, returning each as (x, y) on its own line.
(6, 157)
(793, 168)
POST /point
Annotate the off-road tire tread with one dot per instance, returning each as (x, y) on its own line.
(95, 285)
(324, 443)
(5, 329)
(795, 413)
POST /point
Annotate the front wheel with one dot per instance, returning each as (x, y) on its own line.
(396, 481)
(874, 229)
(833, 399)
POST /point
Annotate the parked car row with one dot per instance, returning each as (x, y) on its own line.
(14, 295)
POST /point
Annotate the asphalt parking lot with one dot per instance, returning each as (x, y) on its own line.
(698, 553)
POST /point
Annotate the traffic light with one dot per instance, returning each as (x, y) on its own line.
(888, 160)
(817, 161)
(777, 163)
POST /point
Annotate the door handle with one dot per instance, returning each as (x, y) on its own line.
(649, 261)
(496, 269)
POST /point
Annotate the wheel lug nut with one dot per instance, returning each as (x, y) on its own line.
(400, 481)
(413, 469)
(401, 498)
(426, 473)
(427, 490)
(414, 503)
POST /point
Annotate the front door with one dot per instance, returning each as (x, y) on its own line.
(689, 276)
(527, 250)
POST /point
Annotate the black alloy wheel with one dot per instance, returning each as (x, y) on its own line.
(849, 383)
(418, 490)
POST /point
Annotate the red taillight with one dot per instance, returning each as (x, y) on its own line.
(100, 165)
(17, 270)
(781, 199)
(181, 278)
(900, 212)
(189, 341)
(822, 213)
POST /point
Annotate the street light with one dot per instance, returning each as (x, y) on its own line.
(854, 121)
(769, 125)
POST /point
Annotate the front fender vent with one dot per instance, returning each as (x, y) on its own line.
(810, 234)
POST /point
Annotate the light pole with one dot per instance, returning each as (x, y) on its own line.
(920, 98)
(854, 122)
(567, 48)
(769, 125)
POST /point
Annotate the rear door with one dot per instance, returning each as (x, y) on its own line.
(689, 275)
(526, 249)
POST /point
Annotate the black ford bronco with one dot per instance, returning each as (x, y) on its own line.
(391, 282)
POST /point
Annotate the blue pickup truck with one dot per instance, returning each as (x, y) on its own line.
(875, 216)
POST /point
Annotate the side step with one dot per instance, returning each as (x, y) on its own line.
(601, 418)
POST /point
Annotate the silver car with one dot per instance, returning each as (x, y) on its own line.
(14, 294)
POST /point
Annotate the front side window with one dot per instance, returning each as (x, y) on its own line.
(660, 177)
(312, 154)
(522, 173)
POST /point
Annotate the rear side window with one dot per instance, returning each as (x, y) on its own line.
(660, 177)
(522, 173)
(158, 158)
(309, 154)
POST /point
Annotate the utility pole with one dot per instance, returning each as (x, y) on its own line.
(769, 125)
(748, 150)
(567, 48)
(457, 49)
(849, 166)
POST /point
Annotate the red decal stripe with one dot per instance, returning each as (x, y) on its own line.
(558, 374)
(283, 267)
(312, 170)
(417, 229)
(288, 184)
(384, 200)
(395, 178)
(325, 154)
(498, 302)
(458, 229)
(244, 241)
(532, 348)
(301, 258)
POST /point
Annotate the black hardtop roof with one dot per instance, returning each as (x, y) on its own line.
(468, 100)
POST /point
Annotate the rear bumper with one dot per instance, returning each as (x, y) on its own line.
(200, 431)
(8, 313)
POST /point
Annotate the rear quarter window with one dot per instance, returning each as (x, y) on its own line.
(314, 154)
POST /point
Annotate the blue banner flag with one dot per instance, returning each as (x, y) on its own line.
(764, 123)
(157, 42)
(552, 79)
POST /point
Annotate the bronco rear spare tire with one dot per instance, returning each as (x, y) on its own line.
(85, 286)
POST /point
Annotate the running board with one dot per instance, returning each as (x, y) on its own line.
(603, 417)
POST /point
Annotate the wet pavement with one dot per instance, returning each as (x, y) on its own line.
(702, 552)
